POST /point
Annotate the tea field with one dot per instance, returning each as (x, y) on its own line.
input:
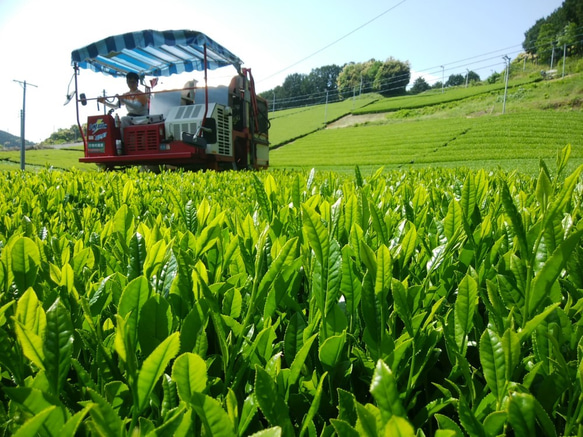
(433, 301)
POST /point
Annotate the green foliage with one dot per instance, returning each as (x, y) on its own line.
(389, 78)
(557, 29)
(299, 90)
(430, 302)
(291, 124)
(487, 141)
(64, 136)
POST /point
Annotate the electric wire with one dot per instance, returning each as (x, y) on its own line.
(335, 41)
(384, 86)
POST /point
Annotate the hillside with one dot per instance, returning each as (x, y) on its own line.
(460, 127)
(9, 141)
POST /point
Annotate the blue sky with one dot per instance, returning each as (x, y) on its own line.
(274, 38)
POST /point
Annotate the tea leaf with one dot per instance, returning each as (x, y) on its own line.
(271, 402)
(314, 406)
(190, 373)
(465, 305)
(24, 262)
(154, 324)
(546, 278)
(213, 416)
(153, 368)
(58, 346)
(493, 363)
(300, 359)
(521, 413)
(32, 425)
(384, 389)
(106, 420)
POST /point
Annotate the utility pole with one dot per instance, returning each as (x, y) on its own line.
(326, 109)
(22, 120)
(564, 58)
(507, 62)
(442, 77)
(467, 76)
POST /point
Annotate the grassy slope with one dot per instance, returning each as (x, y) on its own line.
(290, 124)
(470, 131)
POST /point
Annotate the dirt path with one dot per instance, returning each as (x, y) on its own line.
(351, 120)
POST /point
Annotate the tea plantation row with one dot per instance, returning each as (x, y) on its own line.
(431, 302)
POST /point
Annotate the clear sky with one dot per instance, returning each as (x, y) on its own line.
(274, 38)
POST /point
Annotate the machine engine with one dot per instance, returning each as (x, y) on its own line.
(185, 122)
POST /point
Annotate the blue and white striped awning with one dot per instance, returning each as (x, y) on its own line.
(154, 53)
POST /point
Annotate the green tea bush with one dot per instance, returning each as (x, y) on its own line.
(429, 302)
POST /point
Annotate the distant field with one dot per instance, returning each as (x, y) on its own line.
(465, 128)
(434, 97)
(295, 123)
(40, 158)
(495, 140)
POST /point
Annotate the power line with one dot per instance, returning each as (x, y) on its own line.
(336, 41)
(385, 85)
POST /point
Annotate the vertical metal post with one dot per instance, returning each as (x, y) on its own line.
(507, 60)
(23, 122)
(564, 57)
(326, 109)
(83, 137)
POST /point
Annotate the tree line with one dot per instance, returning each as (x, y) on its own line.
(333, 83)
(561, 31)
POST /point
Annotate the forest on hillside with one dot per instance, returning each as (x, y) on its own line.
(559, 33)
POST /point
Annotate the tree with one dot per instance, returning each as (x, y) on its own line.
(531, 37)
(546, 41)
(388, 78)
(539, 39)
(494, 77)
(293, 85)
(323, 80)
(455, 80)
(473, 77)
(569, 36)
(392, 77)
(63, 136)
(305, 89)
(349, 79)
(420, 85)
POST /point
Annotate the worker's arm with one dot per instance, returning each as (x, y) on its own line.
(134, 102)
(109, 104)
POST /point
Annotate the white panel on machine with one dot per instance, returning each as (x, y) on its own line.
(183, 119)
(189, 118)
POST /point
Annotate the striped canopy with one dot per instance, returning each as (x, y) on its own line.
(154, 53)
